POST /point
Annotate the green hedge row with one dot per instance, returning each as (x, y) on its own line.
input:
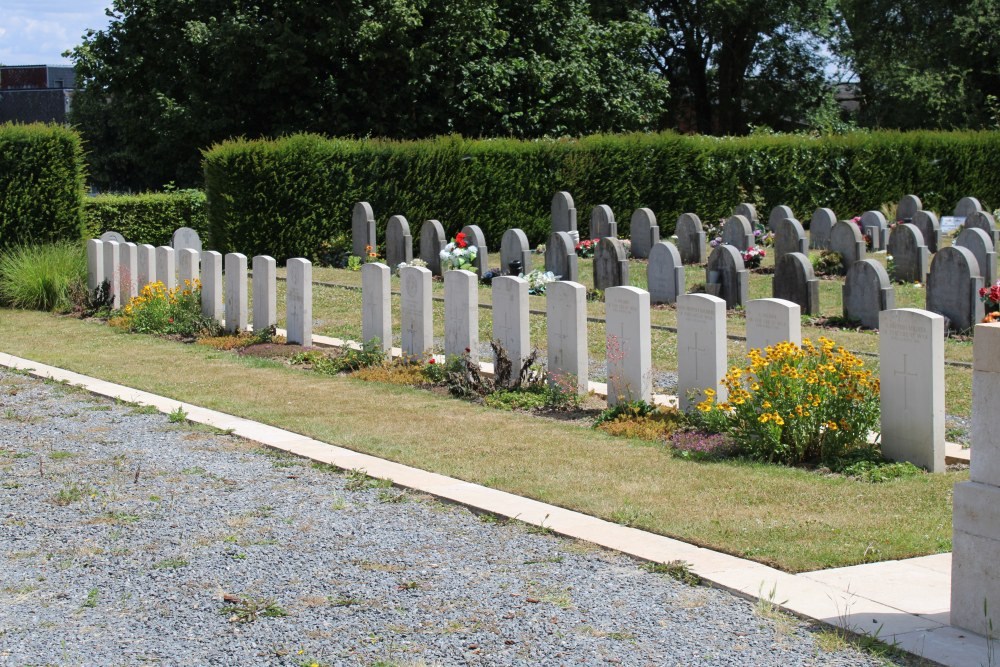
(41, 184)
(147, 218)
(284, 197)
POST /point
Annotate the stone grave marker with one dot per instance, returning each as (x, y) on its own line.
(236, 292)
(748, 211)
(701, 348)
(563, 213)
(265, 292)
(953, 288)
(610, 264)
(514, 248)
(984, 221)
(795, 281)
(602, 223)
(644, 232)
(566, 318)
(779, 213)
(112, 236)
(664, 273)
(867, 292)
(789, 237)
(112, 271)
(376, 304)
(510, 320)
(822, 221)
(474, 235)
(929, 228)
(911, 377)
(909, 254)
(846, 239)
(146, 266)
(691, 239)
(362, 229)
(166, 266)
(907, 208)
(873, 223)
(185, 237)
(727, 276)
(432, 242)
(560, 256)
(398, 242)
(416, 311)
(298, 302)
(128, 271)
(211, 285)
(628, 345)
(95, 264)
(772, 321)
(981, 246)
(967, 206)
(738, 232)
(461, 314)
(188, 267)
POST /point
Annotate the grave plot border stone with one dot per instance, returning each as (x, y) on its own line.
(566, 332)
(664, 273)
(979, 242)
(910, 257)
(560, 257)
(822, 221)
(955, 297)
(362, 229)
(514, 246)
(795, 281)
(727, 276)
(643, 232)
(629, 345)
(691, 239)
(376, 304)
(398, 241)
(867, 291)
(432, 242)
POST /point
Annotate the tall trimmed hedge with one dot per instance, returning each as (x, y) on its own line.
(41, 184)
(147, 218)
(284, 197)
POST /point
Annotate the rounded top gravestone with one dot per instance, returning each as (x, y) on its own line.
(602, 223)
(953, 286)
(930, 229)
(727, 271)
(981, 245)
(563, 213)
(820, 225)
(867, 291)
(185, 238)
(908, 207)
(474, 235)
(431, 243)
(690, 239)
(610, 264)
(778, 213)
(664, 273)
(984, 221)
(362, 228)
(789, 237)
(967, 206)
(737, 232)
(874, 225)
(794, 280)
(515, 253)
(398, 242)
(909, 254)
(560, 256)
(846, 239)
(748, 211)
(643, 232)
(112, 236)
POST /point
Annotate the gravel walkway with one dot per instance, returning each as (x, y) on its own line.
(123, 535)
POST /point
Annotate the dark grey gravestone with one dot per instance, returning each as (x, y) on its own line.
(185, 238)
(873, 223)
(563, 213)
(560, 256)
(398, 242)
(778, 213)
(910, 257)
(789, 237)
(474, 235)
(823, 220)
(362, 229)
(664, 273)
(738, 232)
(610, 264)
(726, 276)
(112, 236)
(929, 228)
(908, 207)
(691, 239)
(846, 239)
(514, 248)
(984, 221)
(644, 232)
(953, 288)
(981, 246)
(748, 211)
(602, 223)
(794, 280)
(867, 292)
(432, 242)
(967, 206)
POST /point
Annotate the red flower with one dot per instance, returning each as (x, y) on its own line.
(460, 240)
(431, 361)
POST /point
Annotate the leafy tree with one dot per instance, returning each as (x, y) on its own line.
(170, 77)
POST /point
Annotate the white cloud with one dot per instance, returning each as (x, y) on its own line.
(38, 32)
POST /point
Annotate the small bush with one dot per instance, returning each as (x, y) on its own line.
(828, 263)
(42, 277)
(158, 310)
(347, 360)
(656, 426)
(875, 472)
(628, 409)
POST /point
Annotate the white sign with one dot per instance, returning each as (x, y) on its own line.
(950, 223)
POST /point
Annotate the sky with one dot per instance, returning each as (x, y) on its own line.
(37, 32)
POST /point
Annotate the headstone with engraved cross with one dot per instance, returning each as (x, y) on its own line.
(416, 311)
(510, 320)
(701, 348)
(566, 322)
(628, 345)
(461, 315)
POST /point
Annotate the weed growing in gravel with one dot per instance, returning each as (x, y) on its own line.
(70, 494)
(359, 480)
(344, 601)
(60, 455)
(408, 586)
(247, 610)
(178, 416)
(171, 564)
(390, 496)
(92, 596)
(676, 569)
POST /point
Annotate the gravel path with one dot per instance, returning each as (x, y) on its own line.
(121, 533)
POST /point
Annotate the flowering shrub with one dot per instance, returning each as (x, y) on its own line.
(702, 446)
(158, 310)
(586, 248)
(752, 257)
(537, 280)
(416, 261)
(799, 404)
(459, 254)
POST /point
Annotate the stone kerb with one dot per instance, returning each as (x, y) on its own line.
(560, 256)
(514, 247)
(566, 318)
(644, 232)
(166, 266)
(691, 239)
(748, 211)
(461, 315)
(628, 345)
(602, 223)
(95, 264)
(298, 301)
(726, 276)
(911, 377)
(146, 266)
(867, 291)
(610, 264)
(789, 237)
(128, 270)
(664, 273)
(967, 206)
(737, 231)
(795, 281)
(873, 223)
(846, 239)
(910, 257)
(930, 229)
(979, 242)
(112, 271)
(416, 311)
(701, 348)
(398, 242)
(563, 213)
(376, 304)
(362, 229)
(265, 292)
(432, 241)
(822, 221)
(211, 285)
(984, 221)
(907, 208)
(953, 288)
(778, 213)
(236, 303)
(474, 235)
(772, 321)
(510, 320)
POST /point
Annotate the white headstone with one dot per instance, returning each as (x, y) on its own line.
(298, 301)
(416, 311)
(376, 304)
(772, 321)
(211, 285)
(188, 267)
(128, 270)
(185, 237)
(510, 319)
(461, 314)
(362, 228)
(112, 271)
(166, 266)
(146, 265)
(265, 292)
(95, 264)
(628, 345)
(236, 292)
(701, 348)
(566, 321)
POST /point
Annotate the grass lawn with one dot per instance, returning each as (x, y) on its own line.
(793, 519)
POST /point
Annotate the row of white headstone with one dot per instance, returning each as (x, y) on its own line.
(127, 268)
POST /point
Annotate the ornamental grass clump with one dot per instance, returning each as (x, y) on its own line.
(796, 405)
(172, 312)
